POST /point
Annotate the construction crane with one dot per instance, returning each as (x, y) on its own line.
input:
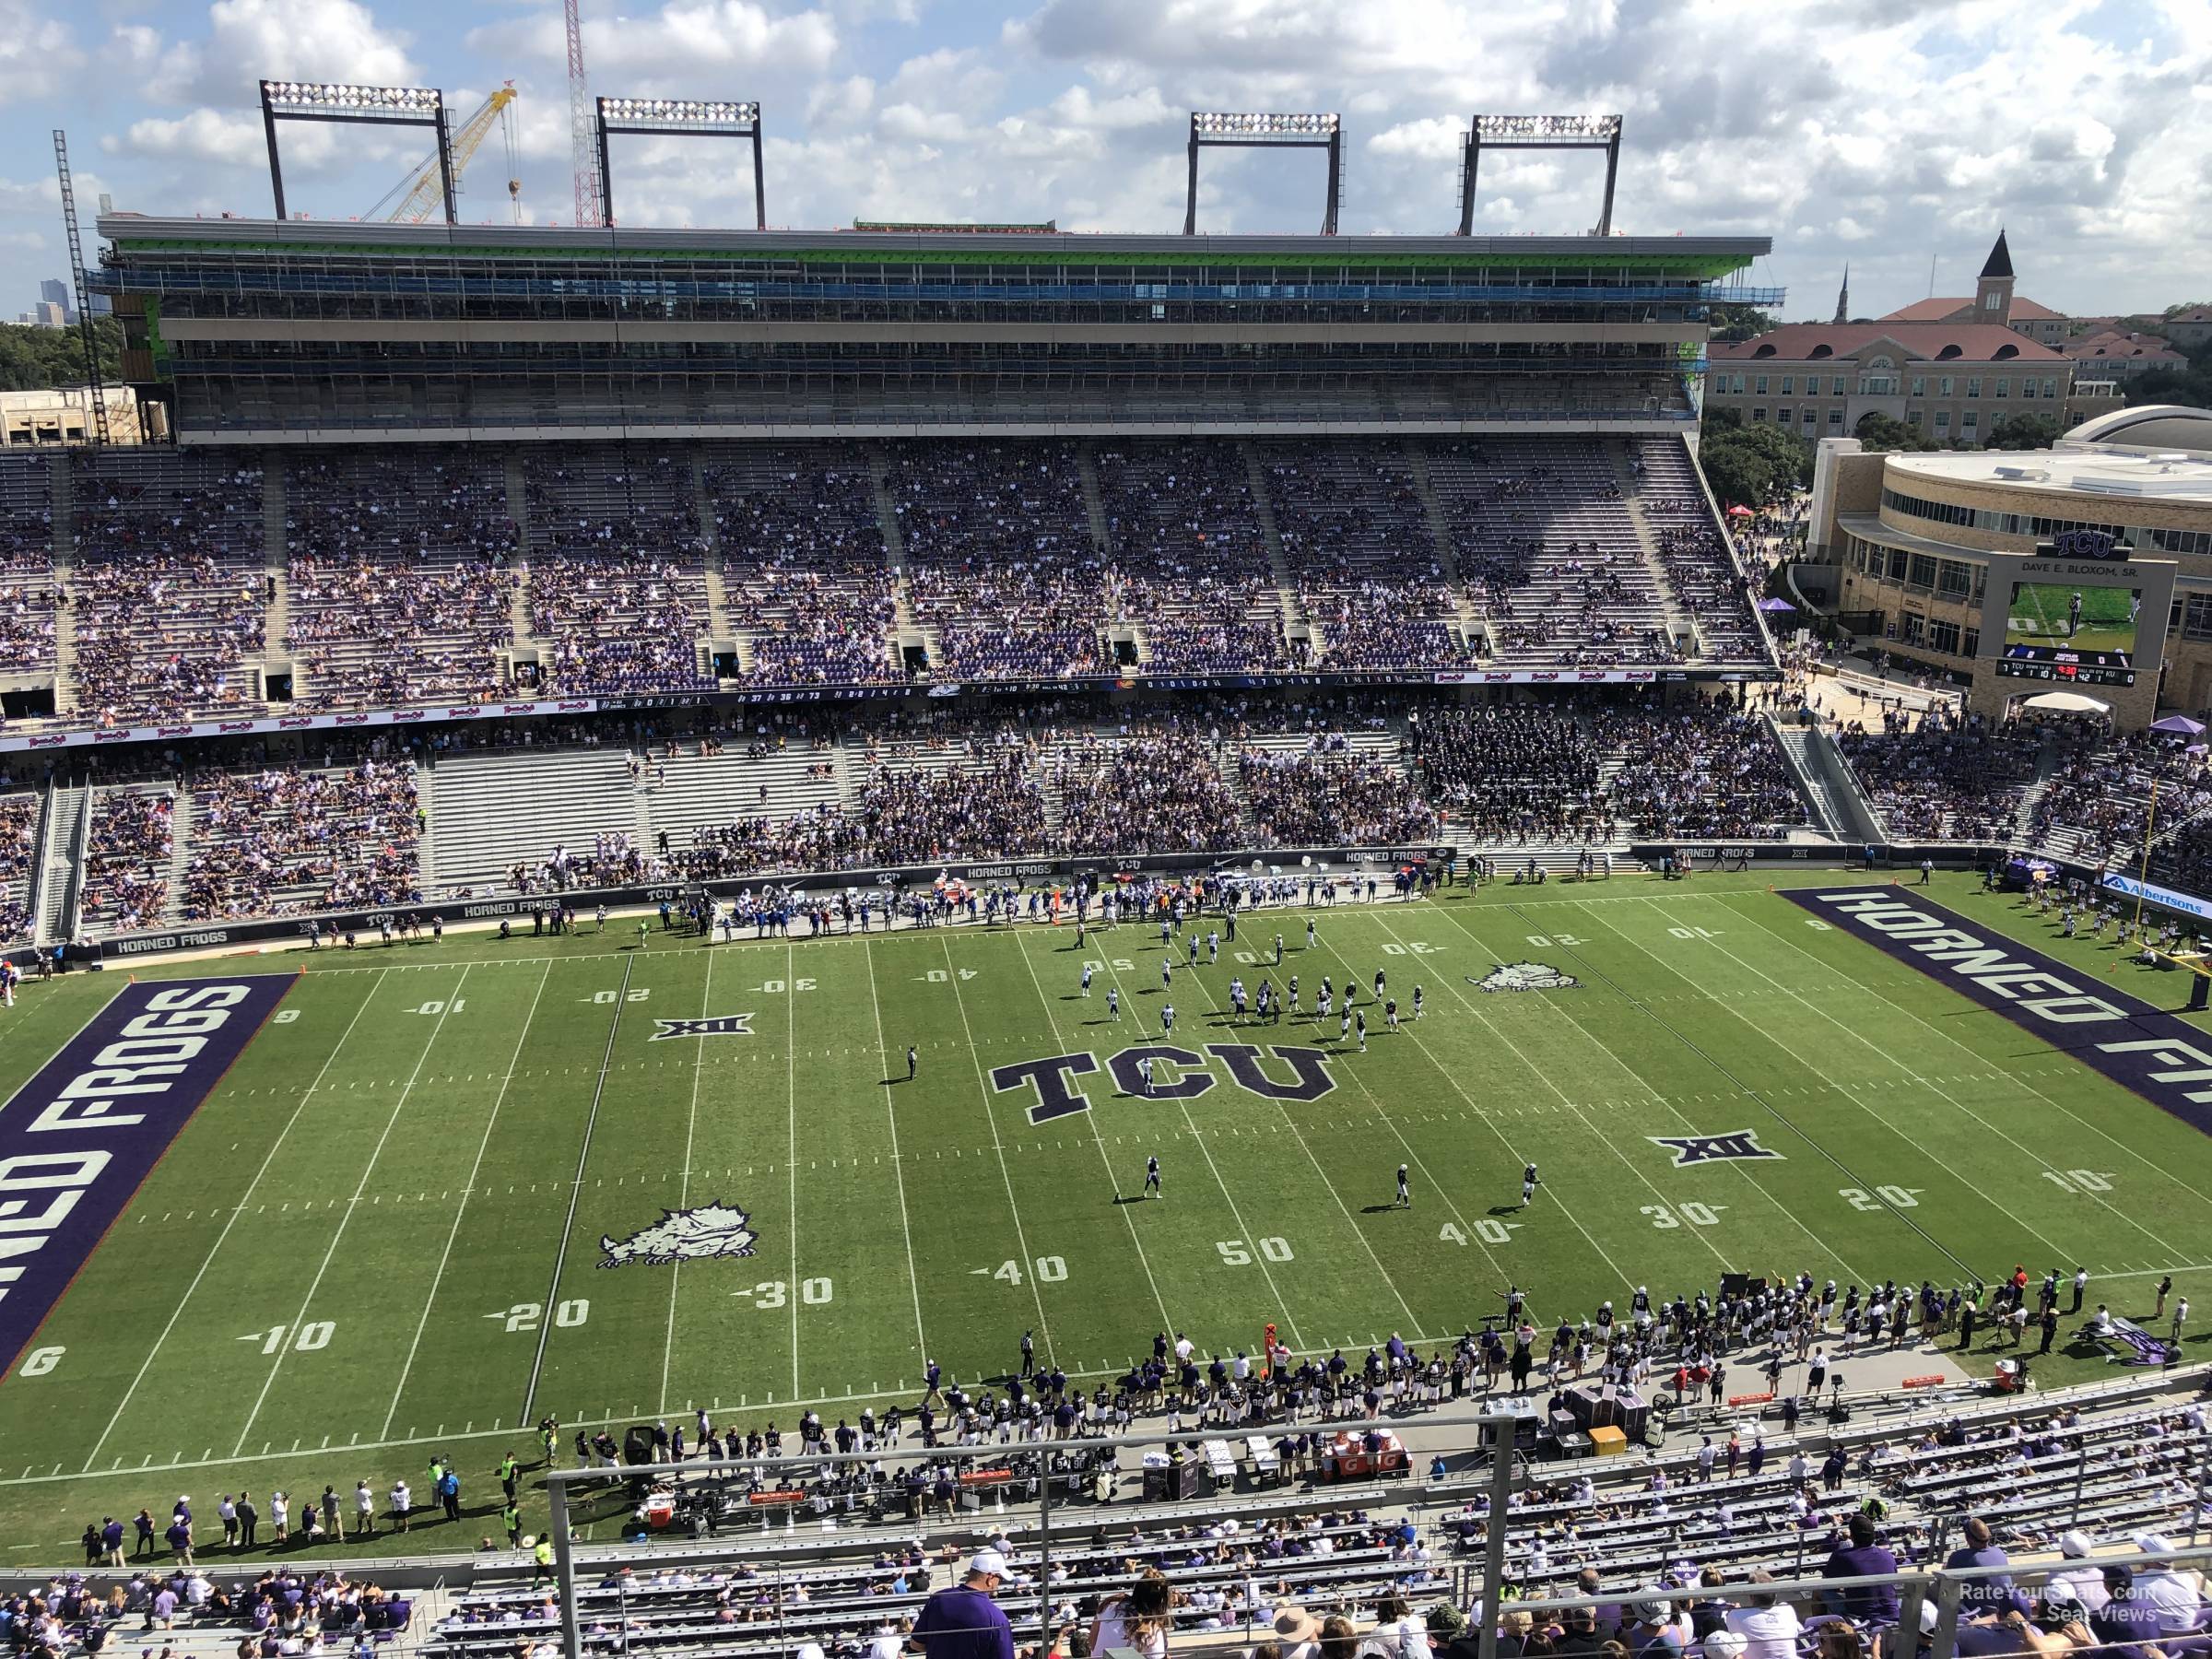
(420, 193)
(583, 150)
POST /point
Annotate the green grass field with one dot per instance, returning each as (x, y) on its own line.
(380, 1238)
(2039, 609)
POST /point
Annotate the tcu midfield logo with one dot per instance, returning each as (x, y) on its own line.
(1178, 1074)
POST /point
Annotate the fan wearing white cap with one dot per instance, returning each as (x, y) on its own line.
(963, 1621)
(2166, 1585)
(2081, 1578)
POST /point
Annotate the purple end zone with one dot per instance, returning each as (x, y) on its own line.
(2165, 1060)
(78, 1139)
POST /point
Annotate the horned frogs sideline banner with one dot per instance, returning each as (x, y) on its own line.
(77, 1141)
(2165, 1060)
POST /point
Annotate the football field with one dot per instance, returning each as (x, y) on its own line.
(443, 1191)
(2041, 615)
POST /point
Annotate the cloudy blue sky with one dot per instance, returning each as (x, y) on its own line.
(1887, 133)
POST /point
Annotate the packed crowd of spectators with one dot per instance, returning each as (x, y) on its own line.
(1183, 537)
(288, 841)
(18, 847)
(803, 568)
(169, 592)
(1943, 779)
(127, 851)
(2096, 806)
(1512, 773)
(382, 633)
(1699, 771)
(617, 578)
(1316, 798)
(1158, 788)
(998, 556)
(1227, 644)
(27, 595)
(990, 807)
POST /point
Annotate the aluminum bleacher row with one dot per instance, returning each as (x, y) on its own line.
(189, 582)
(2116, 1464)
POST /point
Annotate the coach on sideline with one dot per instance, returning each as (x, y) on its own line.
(963, 1621)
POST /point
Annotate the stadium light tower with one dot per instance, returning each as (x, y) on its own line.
(343, 105)
(704, 118)
(1539, 132)
(1312, 131)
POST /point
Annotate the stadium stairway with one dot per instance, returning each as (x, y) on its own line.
(518, 503)
(1263, 509)
(1840, 807)
(504, 807)
(426, 856)
(1679, 623)
(56, 878)
(1094, 503)
(62, 507)
(180, 852)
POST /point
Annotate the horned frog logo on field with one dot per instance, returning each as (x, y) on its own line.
(1524, 976)
(699, 1233)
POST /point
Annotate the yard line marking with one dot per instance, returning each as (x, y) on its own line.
(902, 1392)
(2019, 1077)
(698, 1058)
(338, 1232)
(1053, 1019)
(1544, 1077)
(1439, 1188)
(890, 1116)
(984, 1089)
(1489, 1120)
(791, 1130)
(2030, 1152)
(1319, 1169)
(1235, 1213)
(1750, 1176)
(583, 1153)
(177, 1311)
(462, 1209)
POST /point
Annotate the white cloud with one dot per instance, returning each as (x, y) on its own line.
(38, 56)
(309, 39)
(667, 51)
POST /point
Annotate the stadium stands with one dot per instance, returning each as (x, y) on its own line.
(397, 577)
(2097, 805)
(127, 875)
(804, 564)
(2072, 1487)
(169, 584)
(18, 846)
(1549, 553)
(1514, 774)
(277, 843)
(1699, 771)
(27, 594)
(617, 578)
(1699, 562)
(1944, 780)
(998, 556)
